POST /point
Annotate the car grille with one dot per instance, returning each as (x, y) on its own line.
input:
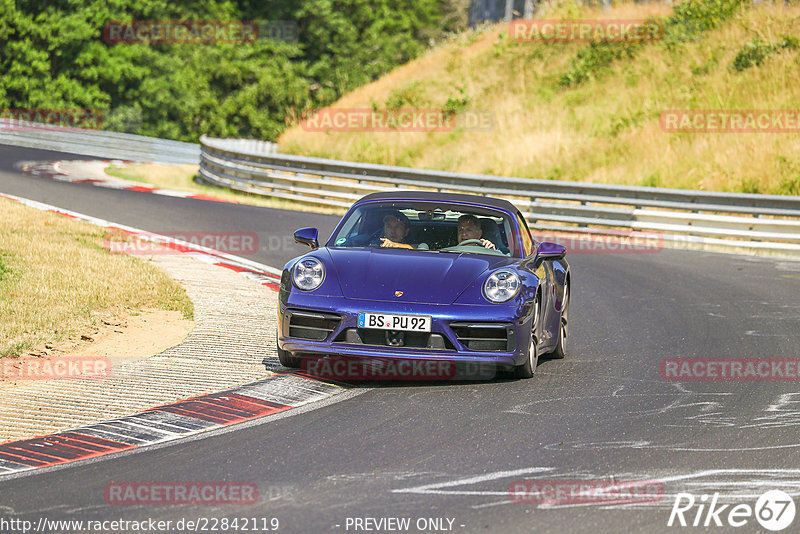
(379, 338)
(315, 326)
(484, 336)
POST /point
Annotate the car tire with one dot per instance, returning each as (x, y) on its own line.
(527, 369)
(287, 360)
(563, 330)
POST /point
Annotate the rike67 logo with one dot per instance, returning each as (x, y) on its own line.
(774, 510)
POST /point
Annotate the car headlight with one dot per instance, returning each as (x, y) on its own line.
(308, 274)
(501, 286)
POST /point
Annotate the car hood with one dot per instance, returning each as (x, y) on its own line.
(426, 277)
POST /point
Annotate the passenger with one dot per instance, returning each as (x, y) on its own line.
(469, 227)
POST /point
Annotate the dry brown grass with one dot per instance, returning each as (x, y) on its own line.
(56, 279)
(606, 130)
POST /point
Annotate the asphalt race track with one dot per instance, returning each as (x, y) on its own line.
(451, 450)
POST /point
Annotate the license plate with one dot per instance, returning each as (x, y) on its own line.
(387, 321)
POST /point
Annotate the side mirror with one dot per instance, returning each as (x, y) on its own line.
(307, 236)
(550, 251)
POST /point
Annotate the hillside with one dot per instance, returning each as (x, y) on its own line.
(577, 111)
(262, 61)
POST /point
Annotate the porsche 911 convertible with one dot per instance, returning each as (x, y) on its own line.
(435, 277)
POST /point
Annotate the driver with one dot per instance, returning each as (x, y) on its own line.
(469, 227)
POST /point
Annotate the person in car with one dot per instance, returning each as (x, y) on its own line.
(396, 227)
(395, 230)
(469, 227)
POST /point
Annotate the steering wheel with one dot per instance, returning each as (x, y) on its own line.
(471, 242)
(374, 237)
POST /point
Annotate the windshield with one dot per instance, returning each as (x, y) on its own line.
(429, 227)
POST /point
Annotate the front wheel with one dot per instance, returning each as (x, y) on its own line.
(561, 347)
(287, 360)
(527, 369)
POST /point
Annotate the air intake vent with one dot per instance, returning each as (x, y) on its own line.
(484, 336)
(384, 338)
(315, 326)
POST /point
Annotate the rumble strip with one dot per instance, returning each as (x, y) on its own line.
(267, 396)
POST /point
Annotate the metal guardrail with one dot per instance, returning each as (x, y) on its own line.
(98, 143)
(681, 218)
(253, 146)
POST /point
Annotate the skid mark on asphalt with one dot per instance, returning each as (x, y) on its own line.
(680, 393)
(695, 409)
(644, 444)
(391, 475)
(733, 485)
(443, 488)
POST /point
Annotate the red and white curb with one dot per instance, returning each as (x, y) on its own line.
(165, 423)
(192, 416)
(50, 169)
(266, 275)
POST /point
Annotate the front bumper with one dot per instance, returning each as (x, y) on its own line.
(338, 341)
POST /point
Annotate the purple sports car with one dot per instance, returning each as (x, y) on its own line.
(434, 277)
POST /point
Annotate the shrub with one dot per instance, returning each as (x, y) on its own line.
(754, 52)
(455, 104)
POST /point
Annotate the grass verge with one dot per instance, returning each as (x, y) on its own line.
(56, 279)
(592, 113)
